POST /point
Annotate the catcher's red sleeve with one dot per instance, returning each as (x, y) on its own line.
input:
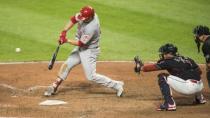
(149, 67)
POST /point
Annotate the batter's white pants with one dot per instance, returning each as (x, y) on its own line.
(88, 60)
(186, 87)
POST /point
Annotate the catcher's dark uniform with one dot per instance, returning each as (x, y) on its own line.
(184, 77)
(182, 67)
(184, 74)
(206, 53)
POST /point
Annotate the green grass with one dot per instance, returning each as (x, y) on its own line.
(129, 28)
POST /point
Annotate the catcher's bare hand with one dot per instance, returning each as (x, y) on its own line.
(138, 65)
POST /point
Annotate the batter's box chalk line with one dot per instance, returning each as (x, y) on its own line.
(33, 88)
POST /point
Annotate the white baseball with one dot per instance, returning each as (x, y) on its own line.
(17, 50)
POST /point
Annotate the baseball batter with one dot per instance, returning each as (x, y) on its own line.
(86, 51)
(202, 35)
(184, 76)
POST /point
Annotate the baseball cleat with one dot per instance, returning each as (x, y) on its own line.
(120, 89)
(167, 107)
(50, 91)
(199, 101)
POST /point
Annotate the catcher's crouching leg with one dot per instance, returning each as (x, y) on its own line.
(169, 103)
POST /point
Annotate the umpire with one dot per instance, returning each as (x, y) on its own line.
(202, 35)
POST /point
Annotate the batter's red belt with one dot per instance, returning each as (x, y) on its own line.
(194, 81)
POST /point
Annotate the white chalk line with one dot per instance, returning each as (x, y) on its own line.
(24, 90)
(16, 117)
(33, 88)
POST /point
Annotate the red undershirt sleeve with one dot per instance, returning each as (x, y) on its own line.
(149, 67)
(80, 44)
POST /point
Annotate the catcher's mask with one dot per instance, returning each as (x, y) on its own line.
(199, 31)
(167, 48)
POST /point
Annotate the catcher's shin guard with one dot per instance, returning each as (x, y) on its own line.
(165, 89)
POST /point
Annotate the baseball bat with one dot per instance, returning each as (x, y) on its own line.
(52, 61)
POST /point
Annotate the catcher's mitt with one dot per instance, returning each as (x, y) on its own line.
(138, 65)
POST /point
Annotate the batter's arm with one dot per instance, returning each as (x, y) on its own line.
(68, 26)
(75, 42)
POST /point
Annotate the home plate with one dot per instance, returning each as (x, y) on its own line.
(52, 102)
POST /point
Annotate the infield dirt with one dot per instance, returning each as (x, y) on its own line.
(22, 87)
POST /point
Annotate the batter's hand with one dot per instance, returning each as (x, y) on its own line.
(138, 65)
(63, 33)
(62, 38)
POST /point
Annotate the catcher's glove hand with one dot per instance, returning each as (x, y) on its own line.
(138, 63)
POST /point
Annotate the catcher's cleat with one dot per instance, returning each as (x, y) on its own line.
(50, 91)
(199, 101)
(167, 107)
(120, 89)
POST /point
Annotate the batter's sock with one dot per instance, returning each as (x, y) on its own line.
(56, 84)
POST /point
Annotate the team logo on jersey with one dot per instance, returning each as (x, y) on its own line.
(85, 38)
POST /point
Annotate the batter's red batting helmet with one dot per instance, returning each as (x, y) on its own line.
(86, 12)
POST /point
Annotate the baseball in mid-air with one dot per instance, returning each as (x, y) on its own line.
(17, 49)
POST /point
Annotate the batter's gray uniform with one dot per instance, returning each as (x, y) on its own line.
(89, 35)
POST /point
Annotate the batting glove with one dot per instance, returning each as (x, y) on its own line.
(62, 40)
(63, 33)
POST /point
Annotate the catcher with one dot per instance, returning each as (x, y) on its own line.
(202, 35)
(184, 76)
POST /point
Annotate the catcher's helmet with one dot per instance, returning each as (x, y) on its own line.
(201, 30)
(168, 48)
(86, 12)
